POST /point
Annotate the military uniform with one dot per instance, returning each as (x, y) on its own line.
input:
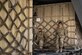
(61, 33)
(40, 39)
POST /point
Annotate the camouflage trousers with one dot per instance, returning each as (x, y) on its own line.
(41, 44)
(60, 43)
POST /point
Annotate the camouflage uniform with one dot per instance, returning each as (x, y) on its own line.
(40, 38)
(60, 34)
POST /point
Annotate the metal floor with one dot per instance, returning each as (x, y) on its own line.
(68, 52)
(64, 53)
